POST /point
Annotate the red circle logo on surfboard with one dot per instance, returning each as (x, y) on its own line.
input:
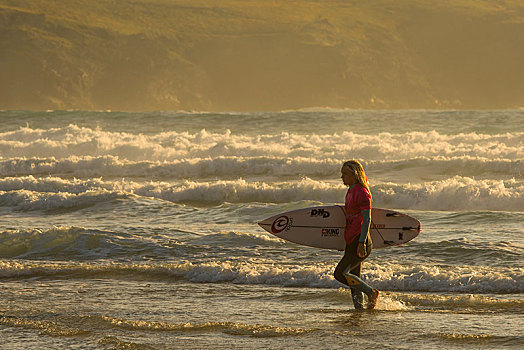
(279, 224)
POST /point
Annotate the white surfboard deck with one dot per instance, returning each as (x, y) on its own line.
(323, 227)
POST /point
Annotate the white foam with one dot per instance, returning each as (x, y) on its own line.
(384, 276)
(431, 278)
(457, 301)
(113, 166)
(254, 330)
(457, 193)
(387, 301)
(237, 239)
(169, 146)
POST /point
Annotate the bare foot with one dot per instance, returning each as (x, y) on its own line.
(373, 298)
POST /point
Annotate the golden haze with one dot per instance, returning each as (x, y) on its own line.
(260, 55)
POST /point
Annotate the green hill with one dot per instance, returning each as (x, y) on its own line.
(260, 55)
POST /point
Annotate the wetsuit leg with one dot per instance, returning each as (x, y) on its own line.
(347, 272)
(357, 295)
(348, 261)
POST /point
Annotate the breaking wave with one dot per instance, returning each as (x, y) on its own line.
(384, 276)
(456, 193)
(227, 167)
(74, 140)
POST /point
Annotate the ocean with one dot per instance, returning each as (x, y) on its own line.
(139, 230)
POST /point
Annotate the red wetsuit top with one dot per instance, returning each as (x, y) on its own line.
(358, 198)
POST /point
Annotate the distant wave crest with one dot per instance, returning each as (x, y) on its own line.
(74, 140)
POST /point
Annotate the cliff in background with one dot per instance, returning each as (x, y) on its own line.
(260, 54)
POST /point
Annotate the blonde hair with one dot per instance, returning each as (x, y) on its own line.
(356, 168)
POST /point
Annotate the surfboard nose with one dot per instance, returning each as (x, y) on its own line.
(266, 224)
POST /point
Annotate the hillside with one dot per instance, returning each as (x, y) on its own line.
(260, 54)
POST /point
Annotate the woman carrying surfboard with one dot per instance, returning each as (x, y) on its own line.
(356, 234)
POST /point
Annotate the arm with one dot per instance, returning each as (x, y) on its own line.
(361, 250)
(366, 215)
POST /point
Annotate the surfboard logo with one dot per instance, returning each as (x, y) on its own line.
(320, 212)
(330, 232)
(280, 224)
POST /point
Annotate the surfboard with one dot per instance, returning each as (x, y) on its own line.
(323, 227)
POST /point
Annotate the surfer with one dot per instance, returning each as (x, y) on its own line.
(356, 235)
